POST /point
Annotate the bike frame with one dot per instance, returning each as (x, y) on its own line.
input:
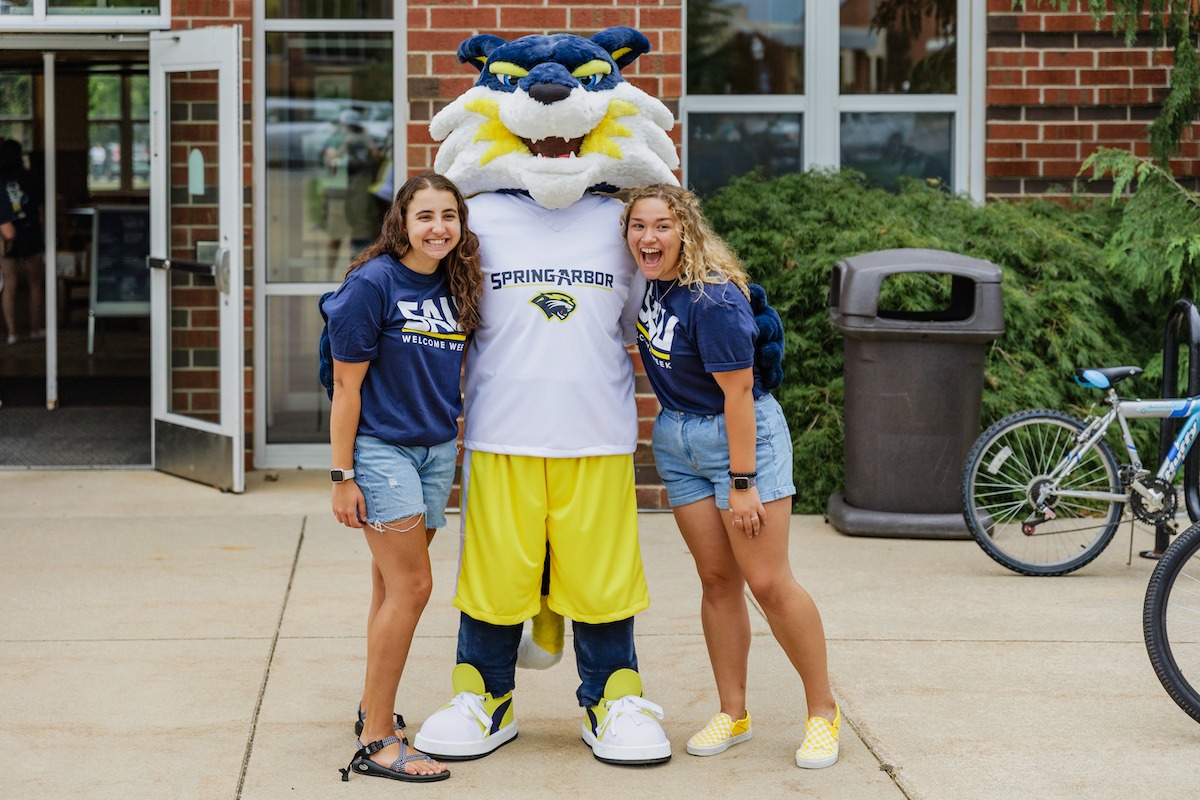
(1185, 407)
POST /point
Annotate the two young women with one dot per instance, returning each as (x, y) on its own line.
(398, 327)
(723, 450)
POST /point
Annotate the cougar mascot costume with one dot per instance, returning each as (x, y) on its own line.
(549, 510)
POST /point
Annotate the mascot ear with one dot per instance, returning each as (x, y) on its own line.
(623, 44)
(475, 51)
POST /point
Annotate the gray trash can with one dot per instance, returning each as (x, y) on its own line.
(914, 386)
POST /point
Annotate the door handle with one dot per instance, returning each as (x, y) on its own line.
(218, 270)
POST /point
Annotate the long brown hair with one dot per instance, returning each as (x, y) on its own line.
(704, 257)
(461, 265)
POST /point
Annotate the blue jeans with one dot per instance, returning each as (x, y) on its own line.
(600, 650)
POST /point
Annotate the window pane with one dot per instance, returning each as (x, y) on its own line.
(298, 411)
(105, 7)
(329, 9)
(328, 150)
(16, 107)
(141, 156)
(139, 96)
(745, 46)
(723, 146)
(886, 146)
(104, 97)
(17, 7)
(104, 155)
(889, 46)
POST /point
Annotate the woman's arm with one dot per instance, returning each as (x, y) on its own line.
(741, 429)
(349, 507)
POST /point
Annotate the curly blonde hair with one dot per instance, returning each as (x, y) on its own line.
(462, 264)
(704, 257)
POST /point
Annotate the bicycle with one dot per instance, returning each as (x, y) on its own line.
(1042, 492)
(1171, 620)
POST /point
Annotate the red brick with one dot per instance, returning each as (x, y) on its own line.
(1124, 96)
(1014, 58)
(1150, 77)
(1120, 131)
(1013, 97)
(1006, 77)
(1059, 21)
(1104, 77)
(1060, 169)
(475, 18)
(1012, 131)
(1068, 97)
(553, 19)
(1068, 58)
(1012, 168)
(1005, 150)
(1051, 150)
(1122, 58)
(1050, 77)
(1067, 132)
(664, 18)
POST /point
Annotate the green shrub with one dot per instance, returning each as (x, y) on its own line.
(1063, 307)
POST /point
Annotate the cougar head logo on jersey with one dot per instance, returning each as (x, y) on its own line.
(551, 115)
(555, 304)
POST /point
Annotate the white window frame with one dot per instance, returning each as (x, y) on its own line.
(317, 455)
(822, 148)
(41, 20)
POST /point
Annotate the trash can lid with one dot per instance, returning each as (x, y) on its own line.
(858, 280)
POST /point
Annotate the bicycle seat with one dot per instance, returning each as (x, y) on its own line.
(1105, 377)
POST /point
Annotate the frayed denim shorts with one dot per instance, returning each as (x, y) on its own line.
(691, 452)
(399, 482)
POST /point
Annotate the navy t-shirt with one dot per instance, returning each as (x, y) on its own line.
(686, 333)
(406, 325)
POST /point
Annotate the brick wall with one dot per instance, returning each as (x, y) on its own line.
(1058, 89)
(435, 77)
(190, 358)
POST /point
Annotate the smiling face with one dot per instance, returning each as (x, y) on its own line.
(652, 233)
(434, 229)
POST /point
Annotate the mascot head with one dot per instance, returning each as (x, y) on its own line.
(552, 116)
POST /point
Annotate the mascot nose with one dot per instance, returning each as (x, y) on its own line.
(547, 93)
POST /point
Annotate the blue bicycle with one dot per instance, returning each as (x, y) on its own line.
(1042, 492)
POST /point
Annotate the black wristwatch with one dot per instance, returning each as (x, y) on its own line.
(340, 475)
(741, 481)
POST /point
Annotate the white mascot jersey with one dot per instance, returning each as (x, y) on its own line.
(550, 123)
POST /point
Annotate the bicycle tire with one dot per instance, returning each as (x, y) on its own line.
(1171, 620)
(1001, 472)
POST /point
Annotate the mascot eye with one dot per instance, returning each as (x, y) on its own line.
(507, 80)
(591, 80)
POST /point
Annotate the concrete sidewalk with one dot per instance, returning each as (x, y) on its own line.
(162, 640)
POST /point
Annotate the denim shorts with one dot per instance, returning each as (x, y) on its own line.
(399, 482)
(691, 452)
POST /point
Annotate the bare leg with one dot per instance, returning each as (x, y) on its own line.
(8, 296)
(401, 556)
(723, 612)
(790, 610)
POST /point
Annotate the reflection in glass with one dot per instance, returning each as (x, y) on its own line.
(298, 408)
(745, 46)
(17, 7)
(898, 46)
(328, 150)
(194, 372)
(329, 9)
(106, 7)
(723, 146)
(887, 146)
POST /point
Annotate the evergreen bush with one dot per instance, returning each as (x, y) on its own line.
(1065, 306)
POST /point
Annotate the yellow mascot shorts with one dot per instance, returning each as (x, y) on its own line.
(583, 509)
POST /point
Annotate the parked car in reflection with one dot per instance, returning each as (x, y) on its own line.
(297, 129)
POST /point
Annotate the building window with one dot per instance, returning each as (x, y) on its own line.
(880, 86)
(16, 107)
(118, 132)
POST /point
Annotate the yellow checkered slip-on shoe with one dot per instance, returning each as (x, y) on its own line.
(720, 734)
(820, 747)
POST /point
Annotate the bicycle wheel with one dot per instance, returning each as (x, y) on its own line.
(1007, 468)
(1171, 620)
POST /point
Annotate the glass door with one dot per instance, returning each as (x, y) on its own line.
(196, 223)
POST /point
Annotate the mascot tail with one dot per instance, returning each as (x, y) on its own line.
(542, 642)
